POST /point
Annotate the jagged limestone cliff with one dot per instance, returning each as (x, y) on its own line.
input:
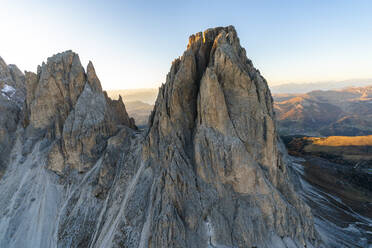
(213, 146)
(208, 172)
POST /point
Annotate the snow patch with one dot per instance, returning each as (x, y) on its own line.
(8, 91)
(209, 232)
(210, 236)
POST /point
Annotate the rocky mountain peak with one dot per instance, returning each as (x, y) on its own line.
(54, 90)
(209, 171)
(209, 36)
(92, 77)
(3, 67)
(71, 107)
(212, 130)
(216, 55)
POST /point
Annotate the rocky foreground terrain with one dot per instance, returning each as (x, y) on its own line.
(208, 171)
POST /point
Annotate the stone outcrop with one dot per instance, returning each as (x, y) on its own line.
(12, 95)
(9, 117)
(209, 171)
(53, 91)
(12, 83)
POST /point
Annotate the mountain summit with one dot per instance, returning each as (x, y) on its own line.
(209, 171)
(223, 175)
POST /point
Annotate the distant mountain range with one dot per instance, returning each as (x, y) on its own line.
(140, 111)
(334, 112)
(300, 88)
(146, 95)
(138, 102)
(341, 111)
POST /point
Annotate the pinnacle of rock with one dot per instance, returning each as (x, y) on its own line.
(92, 78)
(54, 90)
(213, 130)
(70, 104)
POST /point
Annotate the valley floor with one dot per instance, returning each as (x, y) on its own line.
(343, 212)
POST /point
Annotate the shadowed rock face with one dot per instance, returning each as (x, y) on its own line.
(208, 172)
(12, 83)
(212, 141)
(12, 95)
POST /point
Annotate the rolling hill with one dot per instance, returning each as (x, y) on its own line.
(334, 112)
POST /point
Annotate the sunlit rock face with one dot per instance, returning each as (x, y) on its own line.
(70, 108)
(208, 172)
(213, 146)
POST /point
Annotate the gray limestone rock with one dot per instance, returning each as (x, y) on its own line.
(9, 117)
(12, 95)
(53, 91)
(77, 117)
(210, 170)
(213, 144)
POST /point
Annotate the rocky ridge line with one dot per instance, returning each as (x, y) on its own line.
(210, 170)
(68, 105)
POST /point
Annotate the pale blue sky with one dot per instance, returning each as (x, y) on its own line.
(132, 43)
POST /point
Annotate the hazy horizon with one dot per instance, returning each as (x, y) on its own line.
(357, 81)
(132, 45)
